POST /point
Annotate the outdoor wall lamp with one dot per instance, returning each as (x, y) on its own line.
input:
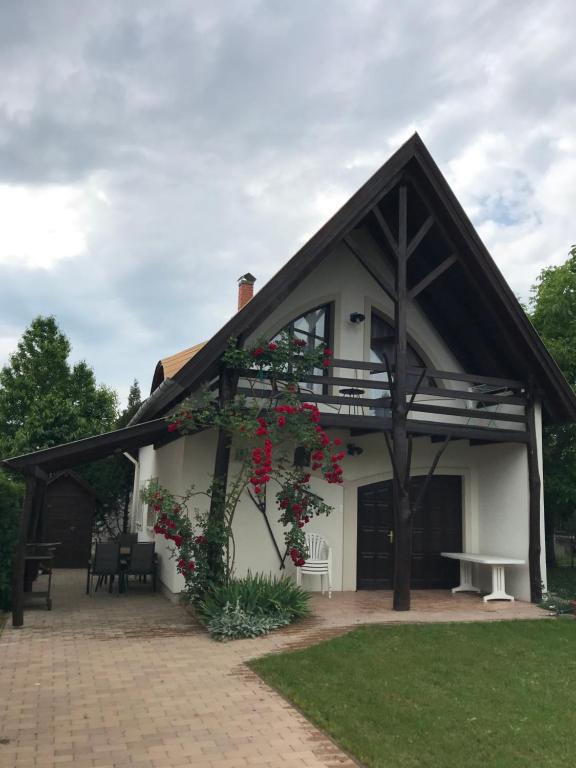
(301, 457)
(354, 450)
(357, 317)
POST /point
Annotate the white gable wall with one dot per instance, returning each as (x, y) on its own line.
(341, 279)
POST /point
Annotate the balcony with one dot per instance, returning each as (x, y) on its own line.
(356, 395)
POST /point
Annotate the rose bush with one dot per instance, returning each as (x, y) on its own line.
(264, 427)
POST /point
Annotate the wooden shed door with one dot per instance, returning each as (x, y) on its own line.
(437, 528)
(69, 521)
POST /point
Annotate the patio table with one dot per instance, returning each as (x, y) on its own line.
(496, 562)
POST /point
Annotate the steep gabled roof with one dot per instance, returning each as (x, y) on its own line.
(484, 311)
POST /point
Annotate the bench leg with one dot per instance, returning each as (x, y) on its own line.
(498, 585)
(465, 579)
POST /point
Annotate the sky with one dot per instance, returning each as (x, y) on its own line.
(152, 152)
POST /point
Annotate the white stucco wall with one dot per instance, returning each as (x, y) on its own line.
(495, 479)
(503, 512)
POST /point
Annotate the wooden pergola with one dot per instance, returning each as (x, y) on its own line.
(37, 467)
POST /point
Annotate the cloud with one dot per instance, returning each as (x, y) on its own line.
(151, 153)
(41, 225)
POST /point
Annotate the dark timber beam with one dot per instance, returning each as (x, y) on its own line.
(420, 235)
(386, 231)
(535, 487)
(431, 276)
(19, 563)
(226, 391)
(372, 266)
(400, 448)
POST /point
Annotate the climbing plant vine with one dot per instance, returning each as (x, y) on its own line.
(265, 423)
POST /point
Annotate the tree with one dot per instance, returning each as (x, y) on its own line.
(113, 477)
(134, 402)
(553, 304)
(44, 400)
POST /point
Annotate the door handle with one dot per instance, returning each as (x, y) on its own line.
(391, 537)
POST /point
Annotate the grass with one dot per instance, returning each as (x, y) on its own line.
(492, 695)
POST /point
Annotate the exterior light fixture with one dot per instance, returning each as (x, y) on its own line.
(354, 450)
(357, 317)
(301, 457)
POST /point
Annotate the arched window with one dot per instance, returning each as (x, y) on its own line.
(315, 327)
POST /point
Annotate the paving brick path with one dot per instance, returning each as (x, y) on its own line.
(133, 682)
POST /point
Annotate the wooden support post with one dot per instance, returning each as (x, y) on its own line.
(18, 564)
(534, 486)
(402, 511)
(226, 390)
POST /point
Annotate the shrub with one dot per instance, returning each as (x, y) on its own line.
(234, 623)
(252, 606)
(10, 503)
(553, 602)
(562, 590)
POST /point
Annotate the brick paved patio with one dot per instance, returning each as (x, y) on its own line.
(133, 682)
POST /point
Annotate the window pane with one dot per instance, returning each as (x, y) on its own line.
(312, 322)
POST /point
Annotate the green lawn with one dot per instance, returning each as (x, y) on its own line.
(495, 695)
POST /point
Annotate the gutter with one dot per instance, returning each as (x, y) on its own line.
(160, 398)
(131, 458)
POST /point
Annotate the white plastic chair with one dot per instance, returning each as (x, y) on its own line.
(319, 562)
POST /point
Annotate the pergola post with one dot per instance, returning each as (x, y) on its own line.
(33, 498)
(400, 447)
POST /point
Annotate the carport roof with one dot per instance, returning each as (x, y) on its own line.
(90, 448)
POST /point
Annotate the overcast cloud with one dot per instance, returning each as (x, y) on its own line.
(151, 152)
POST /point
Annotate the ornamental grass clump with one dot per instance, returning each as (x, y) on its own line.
(251, 606)
(234, 623)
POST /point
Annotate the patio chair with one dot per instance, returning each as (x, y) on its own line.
(142, 562)
(127, 539)
(319, 562)
(105, 563)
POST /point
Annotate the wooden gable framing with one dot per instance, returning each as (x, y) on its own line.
(450, 274)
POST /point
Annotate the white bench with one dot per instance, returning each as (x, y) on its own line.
(497, 564)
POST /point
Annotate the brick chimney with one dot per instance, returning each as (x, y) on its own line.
(245, 289)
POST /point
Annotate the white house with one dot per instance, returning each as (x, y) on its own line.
(486, 372)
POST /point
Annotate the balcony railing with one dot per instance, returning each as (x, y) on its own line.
(357, 394)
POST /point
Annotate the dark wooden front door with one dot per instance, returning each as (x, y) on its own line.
(437, 528)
